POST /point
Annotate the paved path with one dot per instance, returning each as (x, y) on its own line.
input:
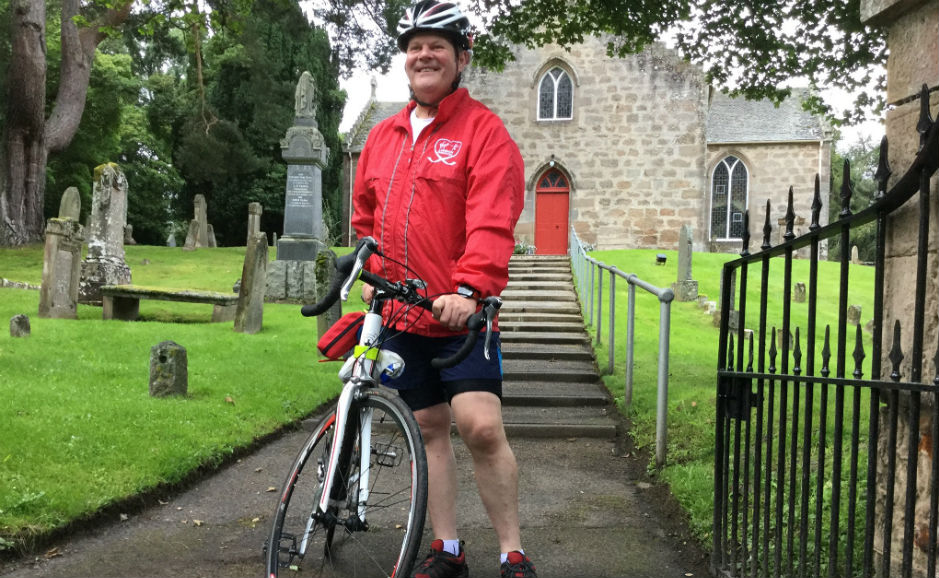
(587, 508)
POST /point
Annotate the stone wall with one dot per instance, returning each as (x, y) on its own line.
(773, 168)
(634, 151)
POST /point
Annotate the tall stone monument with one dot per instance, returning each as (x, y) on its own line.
(104, 263)
(305, 152)
(61, 262)
(685, 288)
(292, 276)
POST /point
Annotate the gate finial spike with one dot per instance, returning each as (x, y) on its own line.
(772, 353)
(826, 352)
(767, 230)
(883, 170)
(750, 358)
(746, 233)
(925, 120)
(896, 354)
(846, 190)
(816, 204)
(797, 355)
(790, 219)
(859, 354)
(935, 362)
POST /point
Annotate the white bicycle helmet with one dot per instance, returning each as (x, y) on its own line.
(439, 17)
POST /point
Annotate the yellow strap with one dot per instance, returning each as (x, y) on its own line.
(369, 352)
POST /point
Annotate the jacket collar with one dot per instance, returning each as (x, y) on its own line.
(448, 107)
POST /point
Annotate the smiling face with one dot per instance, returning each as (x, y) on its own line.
(432, 65)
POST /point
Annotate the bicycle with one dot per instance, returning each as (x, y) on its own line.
(348, 512)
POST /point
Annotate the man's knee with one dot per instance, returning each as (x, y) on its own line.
(434, 421)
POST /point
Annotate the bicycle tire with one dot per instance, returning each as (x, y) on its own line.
(395, 511)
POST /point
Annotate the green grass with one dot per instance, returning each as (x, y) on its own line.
(693, 358)
(78, 429)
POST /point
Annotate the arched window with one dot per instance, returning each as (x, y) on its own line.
(555, 96)
(729, 189)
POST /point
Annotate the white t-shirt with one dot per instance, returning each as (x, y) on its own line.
(418, 124)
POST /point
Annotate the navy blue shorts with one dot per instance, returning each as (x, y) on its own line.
(422, 386)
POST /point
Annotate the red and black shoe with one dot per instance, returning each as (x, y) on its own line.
(441, 564)
(518, 565)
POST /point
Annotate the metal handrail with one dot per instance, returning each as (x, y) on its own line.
(590, 291)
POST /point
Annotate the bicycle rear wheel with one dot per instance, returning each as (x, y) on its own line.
(340, 542)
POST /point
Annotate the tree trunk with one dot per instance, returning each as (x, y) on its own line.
(28, 137)
(24, 152)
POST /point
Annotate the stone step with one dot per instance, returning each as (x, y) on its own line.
(533, 337)
(547, 269)
(526, 276)
(553, 394)
(516, 306)
(536, 327)
(539, 285)
(560, 351)
(514, 317)
(544, 370)
(538, 295)
(553, 421)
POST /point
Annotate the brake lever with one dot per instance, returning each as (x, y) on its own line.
(491, 309)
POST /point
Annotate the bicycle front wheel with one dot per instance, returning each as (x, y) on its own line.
(376, 521)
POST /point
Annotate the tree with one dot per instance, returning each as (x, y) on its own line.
(28, 136)
(862, 158)
(749, 47)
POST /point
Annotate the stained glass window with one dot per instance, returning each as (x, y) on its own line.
(729, 190)
(555, 96)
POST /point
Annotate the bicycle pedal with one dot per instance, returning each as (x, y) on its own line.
(386, 455)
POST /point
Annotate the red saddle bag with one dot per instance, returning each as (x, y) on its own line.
(342, 336)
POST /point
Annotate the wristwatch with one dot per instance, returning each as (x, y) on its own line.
(467, 291)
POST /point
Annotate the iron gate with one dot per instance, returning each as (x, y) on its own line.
(816, 472)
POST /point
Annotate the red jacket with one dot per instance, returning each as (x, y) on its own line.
(445, 207)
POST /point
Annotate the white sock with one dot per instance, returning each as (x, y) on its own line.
(452, 546)
(505, 556)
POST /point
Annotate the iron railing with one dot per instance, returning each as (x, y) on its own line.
(588, 274)
(820, 470)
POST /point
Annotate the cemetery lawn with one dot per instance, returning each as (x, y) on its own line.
(78, 429)
(689, 468)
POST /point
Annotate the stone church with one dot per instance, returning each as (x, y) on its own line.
(627, 150)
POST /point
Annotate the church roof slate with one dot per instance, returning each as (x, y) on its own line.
(740, 120)
(373, 113)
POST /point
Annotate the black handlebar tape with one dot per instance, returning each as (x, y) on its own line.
(474, 324)
(343, 268)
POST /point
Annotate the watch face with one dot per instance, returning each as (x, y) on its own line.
(464, 291)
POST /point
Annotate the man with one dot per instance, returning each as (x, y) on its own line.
(440, 185)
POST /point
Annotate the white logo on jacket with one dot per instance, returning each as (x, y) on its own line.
(446, 150)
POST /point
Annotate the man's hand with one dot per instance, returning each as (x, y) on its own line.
(452, 311)
(368, 293)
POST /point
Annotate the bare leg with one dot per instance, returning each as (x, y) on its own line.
(479, 420)
(441, 470)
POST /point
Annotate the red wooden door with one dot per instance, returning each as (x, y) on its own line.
(552, 205)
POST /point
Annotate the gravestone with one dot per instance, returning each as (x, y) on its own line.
(854, 315)
(685, 288)
(201, 233)
(798, 293)
(19, 326)
(129, 235)
(70, 206)
(292, 276)
(250, 311)
(169, 370)
(254, 219)
(855, 257)
(325, 268)
(304, 150)
(61, 269)
(104, 263)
